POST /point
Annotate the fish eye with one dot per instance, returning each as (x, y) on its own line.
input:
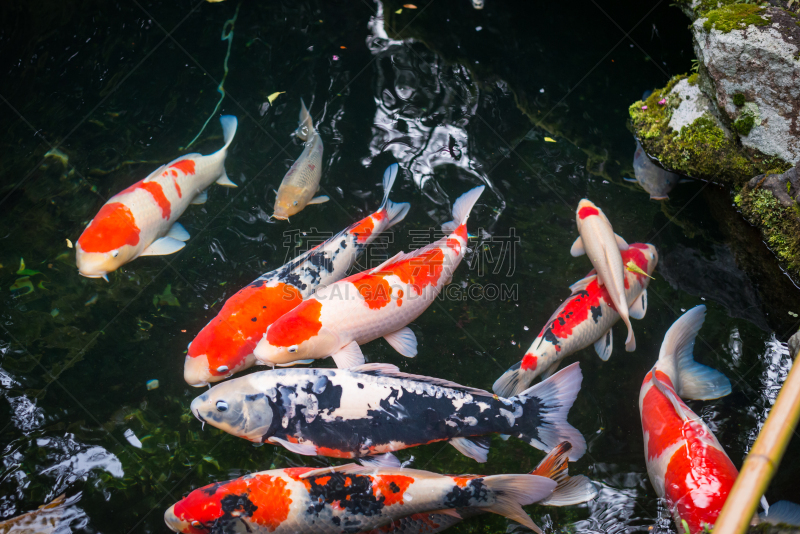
(292, 349)
(294, 203)
(115, 253)
(196, 524)
(222, 406)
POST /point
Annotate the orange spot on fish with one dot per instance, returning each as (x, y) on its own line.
(185, 165)
(232, 335)
(660, 422)
(272, 498)
(587, 212)
(363, 229)
(300, 324)
(421, 270)
(373, 288)
(529, 362)
(333, 453)
(462, 482)
(174, 173)
(323, 480)
(295, 472)
(156, 191)
(392, 487)
(177, 186)
(697, 482)
(112, 228)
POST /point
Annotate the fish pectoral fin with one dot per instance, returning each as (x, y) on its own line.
(201, 198)
(163, 246)
(581, 284)
(547, 373)
(504, 437)
(447, 511)
(639, 308)
(318, 200)
(475, 448)
(621, 243)
(296, 362)
(380, 460)
(225, 181)
(403, 341)
(577, 248)
(349, 356)
(178, 232)
(306, 449)
(604, 345)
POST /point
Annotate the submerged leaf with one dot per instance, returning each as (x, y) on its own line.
(166, 298)
(274, 96)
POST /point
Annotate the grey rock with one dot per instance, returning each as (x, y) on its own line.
(784, 187)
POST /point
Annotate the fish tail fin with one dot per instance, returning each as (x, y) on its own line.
(693, 380)
(462, 208)
(570, 490)
(545, 407)
(512, 492)
(630, 341)
(229, 125)
(395, 211)
(306, 127)
(782, 512)
(514, 381)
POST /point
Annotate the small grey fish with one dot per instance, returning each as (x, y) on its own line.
(301, 183)
(651, 177)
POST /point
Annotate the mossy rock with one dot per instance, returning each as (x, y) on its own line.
(734, 17)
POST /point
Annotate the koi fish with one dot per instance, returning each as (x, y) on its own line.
(371, 304)
(374, 409)
(301, 183)
(598, 240)
(569, 491)
(585, 318)
(653, 179)
(225, 345)
(141, 220)
(687, 465)
(351, 498)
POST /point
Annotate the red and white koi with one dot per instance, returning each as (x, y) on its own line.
(368, 411)
(371, 304)
(598, 241)
(351, 498)
(301, 183)
(687, 465)
(225, 345)
(141, 220)
(585, 318)
(569, 491)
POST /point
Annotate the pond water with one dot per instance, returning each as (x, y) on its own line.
(530, 100)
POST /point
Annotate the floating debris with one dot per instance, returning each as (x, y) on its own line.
(22, 283)
(409, 6)
(92, 300)
(132, 439)
(793, 314)
(24, 270)
(69, 243)
(274, 96)
(398, 11)
(54, 312)
(166, 298)
(550, 140)
(152, 384)
(632, 267)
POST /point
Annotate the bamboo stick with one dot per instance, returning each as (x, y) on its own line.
(765, 456)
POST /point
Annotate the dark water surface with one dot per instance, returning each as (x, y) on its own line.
(467, 98)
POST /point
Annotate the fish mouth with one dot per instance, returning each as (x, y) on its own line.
(280, 217)
(172, 521)
(195, 371)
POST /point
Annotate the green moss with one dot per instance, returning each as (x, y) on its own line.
(738, 99)
(693, 79)
(779, 226)
(649, 117)
(734, 17)
(744, 124)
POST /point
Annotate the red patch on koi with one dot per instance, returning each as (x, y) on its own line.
(112, 228)
(297, 326)
(698, 482)
(420, 271)
(363, 229)
(232, 335)
(177, 187)
(587, 212)
(578, 309)
(374, 288)
(462, 482)
(312, 167)
(184, 165)
(529, 362)
(157, 192)
(659, 421)
(333, 453)
(392, 487)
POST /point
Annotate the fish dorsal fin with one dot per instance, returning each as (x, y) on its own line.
(176, 160)
(391, 371)
(581, 284)
(670, 396)
(387, 262)
(355, 469)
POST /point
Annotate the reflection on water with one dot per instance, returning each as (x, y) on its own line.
(776, 363)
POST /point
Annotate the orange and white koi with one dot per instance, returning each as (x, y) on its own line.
(372, 410)
(301, 183)
(569, 491)
(141, 220)
(687, 465)
(371, 304)
(598, 241)
(351, 498)
(585, 318)
(225, 345)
